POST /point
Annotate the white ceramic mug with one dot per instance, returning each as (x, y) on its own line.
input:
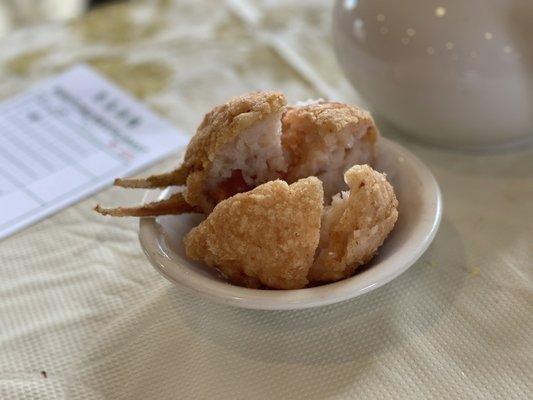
(452, 72)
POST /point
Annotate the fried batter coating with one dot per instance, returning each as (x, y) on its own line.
(355, 225)
(324, 139)
(267, 236)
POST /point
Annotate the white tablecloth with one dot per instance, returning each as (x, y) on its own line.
(84, 316)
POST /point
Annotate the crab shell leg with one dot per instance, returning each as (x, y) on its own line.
(177, 177)
(175, 204)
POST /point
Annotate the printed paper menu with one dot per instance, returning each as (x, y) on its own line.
(70, 137)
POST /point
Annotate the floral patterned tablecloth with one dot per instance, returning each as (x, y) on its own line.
(84, 316)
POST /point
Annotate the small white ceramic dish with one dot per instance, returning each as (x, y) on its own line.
(419, 217)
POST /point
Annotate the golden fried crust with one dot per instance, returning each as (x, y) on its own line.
(265, 236)
(367, 220)
(329, 115)
(221, 125)
(322, 119)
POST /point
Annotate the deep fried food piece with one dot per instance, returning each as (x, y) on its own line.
(355, 225)
(242, 139)
(236, 147)
(267, 236)
(324, 139)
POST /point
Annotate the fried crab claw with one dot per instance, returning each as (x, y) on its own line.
(236, 148)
